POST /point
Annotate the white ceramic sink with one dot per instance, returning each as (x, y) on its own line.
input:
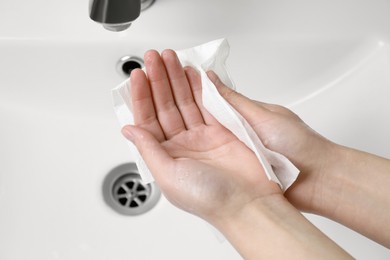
(327, 60)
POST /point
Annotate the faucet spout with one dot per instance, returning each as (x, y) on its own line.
(115, 15)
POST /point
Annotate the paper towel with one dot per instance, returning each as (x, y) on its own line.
(212, 56)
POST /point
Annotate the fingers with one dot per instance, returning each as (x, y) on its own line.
(169, 100)
(196, 86)
(181, 90)
(241, 103)
(168, 114)
(249, 109)
(143, 107)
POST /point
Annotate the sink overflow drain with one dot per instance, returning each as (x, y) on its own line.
(127, 64)
(126, 193)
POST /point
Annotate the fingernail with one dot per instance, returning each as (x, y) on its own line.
(126, 131)
(212, 76)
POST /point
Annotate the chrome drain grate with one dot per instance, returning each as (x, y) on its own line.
(126, 193)
(131, 192)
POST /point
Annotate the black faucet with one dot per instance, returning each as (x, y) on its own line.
(116, 15)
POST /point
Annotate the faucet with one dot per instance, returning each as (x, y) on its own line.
(117, 15)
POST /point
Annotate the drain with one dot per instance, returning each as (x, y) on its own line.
(128, 63)
(126, 193)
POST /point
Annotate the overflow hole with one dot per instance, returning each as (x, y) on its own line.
(129, 63)
(129, 66)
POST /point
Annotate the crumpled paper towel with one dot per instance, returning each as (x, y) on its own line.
(212, 56)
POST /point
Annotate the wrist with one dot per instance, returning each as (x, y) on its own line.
(249, 228)
(307, 193)
(330, 181)
(252, 211)
(270, 227)
(353, 193)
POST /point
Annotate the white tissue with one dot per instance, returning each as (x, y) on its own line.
(212, 56)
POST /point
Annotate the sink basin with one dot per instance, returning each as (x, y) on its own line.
(328, 61)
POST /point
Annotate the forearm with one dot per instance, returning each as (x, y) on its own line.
(271, 228)
(355, 192)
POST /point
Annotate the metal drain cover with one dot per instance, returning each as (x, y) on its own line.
(126, 193)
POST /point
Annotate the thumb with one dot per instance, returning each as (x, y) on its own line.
(155, 156)
(249, 109)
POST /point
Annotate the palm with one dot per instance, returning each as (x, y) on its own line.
(208, 168)
(203, 164)
(201, 143)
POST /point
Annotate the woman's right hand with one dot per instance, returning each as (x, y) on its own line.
(284, 132)
(340, 183)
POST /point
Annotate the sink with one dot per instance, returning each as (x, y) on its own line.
(328, 61)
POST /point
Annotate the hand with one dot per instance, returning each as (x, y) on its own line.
(340, 183)
(200, 166)
(284, 132)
